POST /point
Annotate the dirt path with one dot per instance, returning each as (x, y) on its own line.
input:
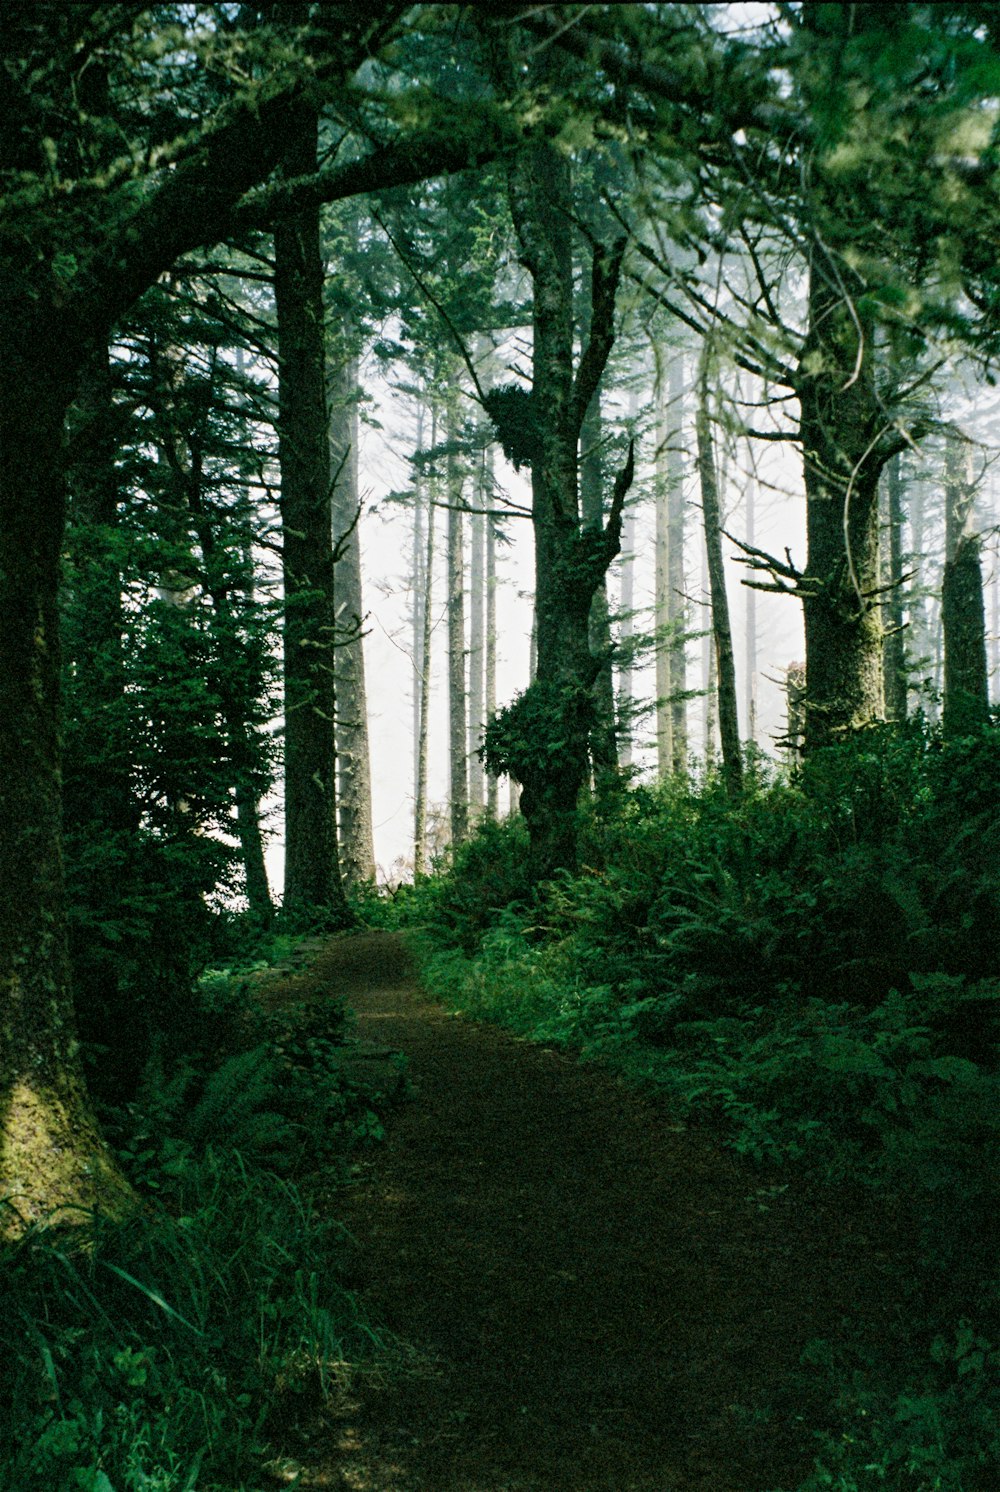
(595, 1301)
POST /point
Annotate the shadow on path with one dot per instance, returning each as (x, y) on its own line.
(595, 1300)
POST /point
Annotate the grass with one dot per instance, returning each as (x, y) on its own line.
(172, 1351)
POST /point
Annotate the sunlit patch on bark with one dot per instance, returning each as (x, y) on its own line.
(54, 1167)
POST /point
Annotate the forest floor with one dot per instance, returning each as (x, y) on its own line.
(586, 1297)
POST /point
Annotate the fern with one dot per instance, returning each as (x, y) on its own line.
(236, 1106)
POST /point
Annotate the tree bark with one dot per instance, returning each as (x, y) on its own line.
(919, 647)
(51, 1155)
(625, 711)
(492, 781)
(457, 689)
(840, 420)
(963, 613)
(424, 680)
(544, 737)
(677, 612)
(312, 872)
(477, 648)
(603, 742)
(709, 669)
(750, 620)
(722, 636)
(893, 647)
(354, 794)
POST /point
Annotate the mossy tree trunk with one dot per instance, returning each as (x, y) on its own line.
(844, 446)
(51, 1154)
(545, 736)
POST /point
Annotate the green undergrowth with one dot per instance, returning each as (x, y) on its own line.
(179, 1350)
(813, 972)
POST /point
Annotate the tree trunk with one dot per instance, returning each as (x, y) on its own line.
(661, 585)
(603, 743)
(354, 778)
(918, 650)
(492, 781)
(457, 694)
(625, 714)
(722, 636)
(894, 653)
(544, 737)
(477, 649)
(312, 871)
(52, 1156)
(839, 420)
(963, 613)
(709, 670)
(750, 620)
(676, 613)
(424, 680)
(418, 557)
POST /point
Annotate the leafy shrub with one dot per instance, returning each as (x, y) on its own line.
(270, 1085)
(941, 1433)
(485, 876)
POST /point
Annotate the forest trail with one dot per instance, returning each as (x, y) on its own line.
(592, 1299)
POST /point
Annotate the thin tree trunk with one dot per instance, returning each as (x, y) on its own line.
(477, 649)
(676, 582)
(709, 671)
(729, 729)
(312, 871)
(661, 586)
(603, 745)
(424, 691)
(354, 778)
(894, 652)
(514, 787)
(626, 709)
(918, 647)
(750, 620)
(626, 702)
(457, 695)
(492, 781)
(963, 616)
(418, 585)
(248, 825)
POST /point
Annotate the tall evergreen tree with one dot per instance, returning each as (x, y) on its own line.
(312, 867)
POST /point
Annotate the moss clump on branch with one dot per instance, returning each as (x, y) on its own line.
(515, 419)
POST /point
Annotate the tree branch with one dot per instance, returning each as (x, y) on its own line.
(605, 277)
